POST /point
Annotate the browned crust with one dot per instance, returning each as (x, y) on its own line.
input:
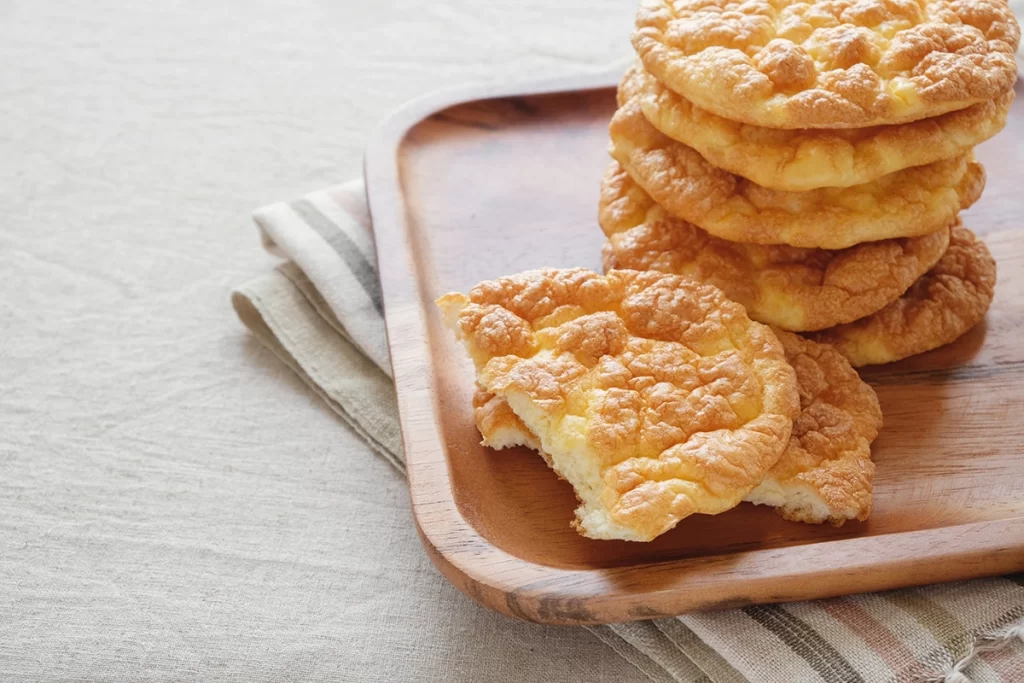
(806, 159)
(793, 288)
(829, 63)
(908, 203)
(942, 305)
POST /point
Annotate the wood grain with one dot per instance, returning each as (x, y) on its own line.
(471, 185)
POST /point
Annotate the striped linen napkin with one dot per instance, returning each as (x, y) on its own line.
(321, 313)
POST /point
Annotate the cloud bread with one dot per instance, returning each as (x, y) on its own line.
(914, 201)
(793, 288)
(826, 473)
(829, 63)
(948, 300)
(656, 397)
(806, 159)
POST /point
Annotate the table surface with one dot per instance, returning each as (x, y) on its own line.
(174, 504)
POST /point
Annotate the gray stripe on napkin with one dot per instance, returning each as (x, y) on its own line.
(363, 271)
(806, 642)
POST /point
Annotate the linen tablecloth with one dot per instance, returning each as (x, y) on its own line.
(175, 505)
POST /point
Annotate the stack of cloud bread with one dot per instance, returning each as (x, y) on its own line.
(778, 169)
(811, 160)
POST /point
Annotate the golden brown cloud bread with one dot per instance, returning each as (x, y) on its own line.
(655, 396)
(805, 159)
(826, 473)
(914, 201)
(793, 288)
(948, 300)
(829, 63)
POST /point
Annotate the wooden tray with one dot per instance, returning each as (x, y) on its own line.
(470, 185)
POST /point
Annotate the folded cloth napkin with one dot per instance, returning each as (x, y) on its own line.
(321, 313)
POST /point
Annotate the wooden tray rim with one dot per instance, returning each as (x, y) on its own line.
(545, 594)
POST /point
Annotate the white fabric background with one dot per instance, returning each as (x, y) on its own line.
(174, 503)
